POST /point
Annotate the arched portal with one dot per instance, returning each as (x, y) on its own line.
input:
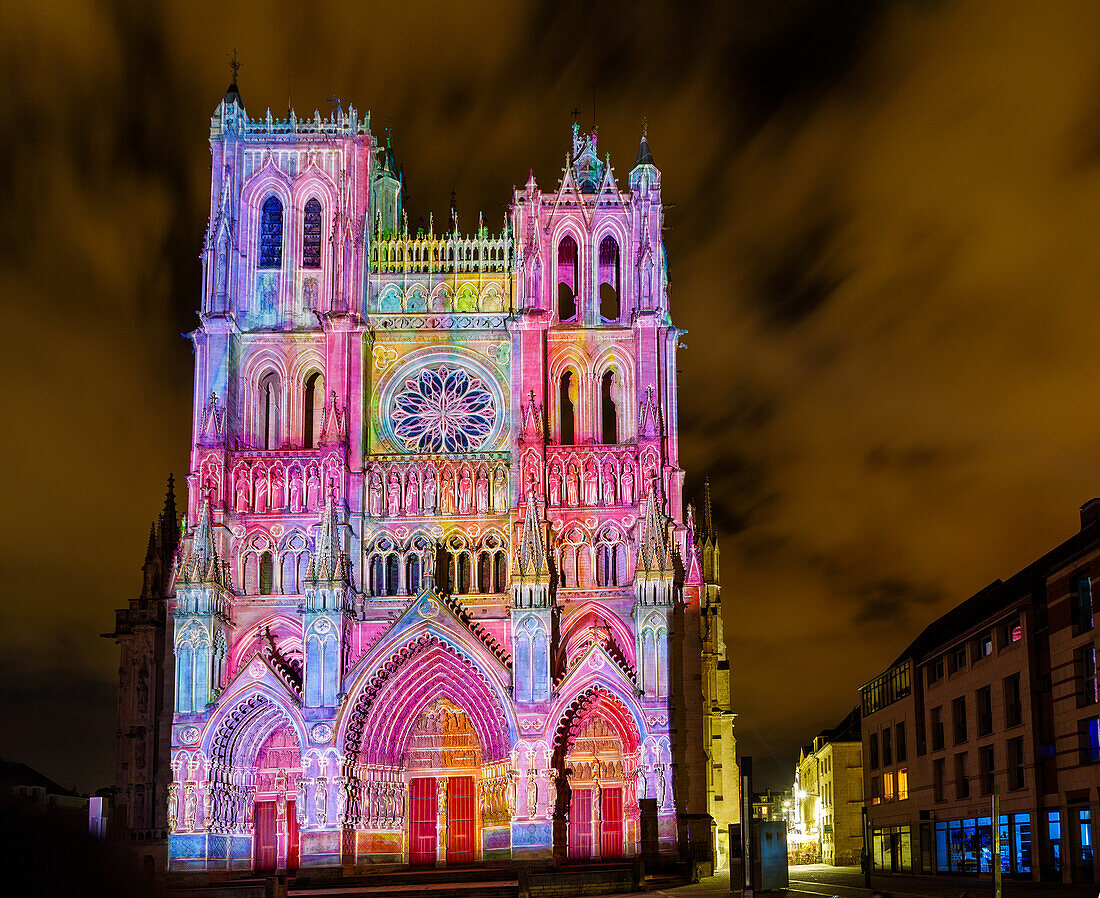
(431, 743)
(443, 765)
(275, 814)
(597, 750)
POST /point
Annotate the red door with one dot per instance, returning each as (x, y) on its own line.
(461, 813)
(266, 847)
(611, 822)
(580, 824)
(422, 820)
(291, 836)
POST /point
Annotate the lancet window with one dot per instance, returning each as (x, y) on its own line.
(313, 405)
(611, 565)
(609, 410)
(567, 279)
(311, 235)
(271, 233)
(396, 570)
(567, 406)
(609, 279)
(267, 425)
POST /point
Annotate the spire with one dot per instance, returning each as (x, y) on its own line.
(653, 551)
(452, 222)
(151, 549)
(328, 561)
(708, 521)
(202, 565)
(232, 93)
(531, 558)
(169, 525)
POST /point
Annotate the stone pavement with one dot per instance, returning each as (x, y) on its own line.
(822, 881)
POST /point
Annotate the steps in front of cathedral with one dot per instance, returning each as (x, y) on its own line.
(443, 882)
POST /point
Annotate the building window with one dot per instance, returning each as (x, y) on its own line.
(899, 742)
(313, 406)
(1014, 712)
(958, 659)
(1016, 763)
(271, 233)
(1054, 839)
(887, 748)
(268, 424)
(958, 713)
(935, 671)
(985, 711)
(609, 279)
(567, 279)
(267, 574)
(1085, 669)
(962, 780)
(983, 646)
(888, 787)
(567, 393)
(1082, 606)
(1088, 736)
(1012, 631)
(876, 790)
(903, 784)
(311, 235)
(937, 729)
(609, 413)
(937, 779)
(872, 750)
(986, 769)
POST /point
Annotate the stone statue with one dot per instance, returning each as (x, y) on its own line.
(481, 493)
(173, 805)
(313, 490)
(394, 495)
(320, 800)
(608, 487)
(278, 489)
(555, 487)
(590, 487)
(341, 799)
(572, 487)
(627, 490)
(447, 494)
(189, 807)
(375, 495)
(261, 491)
(429, 493)
(532, 794)
(296, 490)
(464, 492)
(412, 495)
(500, 491)
(240, 491)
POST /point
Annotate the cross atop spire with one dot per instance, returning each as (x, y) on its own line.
(232, 93)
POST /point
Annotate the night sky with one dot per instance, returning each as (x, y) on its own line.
(883, 245)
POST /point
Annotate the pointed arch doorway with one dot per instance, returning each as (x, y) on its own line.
(443, 767)
(275, 813)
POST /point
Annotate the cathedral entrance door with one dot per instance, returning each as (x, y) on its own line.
(580, 825)
(461, 826)
(291, 837)
(611, 822)
(422, 809)
(266, 855)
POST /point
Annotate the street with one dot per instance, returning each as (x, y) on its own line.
(847, 882)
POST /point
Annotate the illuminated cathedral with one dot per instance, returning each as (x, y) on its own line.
(437, 597)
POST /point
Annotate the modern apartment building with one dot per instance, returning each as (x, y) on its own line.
(993, 705)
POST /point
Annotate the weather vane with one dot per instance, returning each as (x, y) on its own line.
(234, 64)
(645, 126)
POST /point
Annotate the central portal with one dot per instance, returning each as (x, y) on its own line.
(443, 764)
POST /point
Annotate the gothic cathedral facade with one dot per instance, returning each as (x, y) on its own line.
(438, 598)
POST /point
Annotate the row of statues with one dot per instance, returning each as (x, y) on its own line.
(424, 490)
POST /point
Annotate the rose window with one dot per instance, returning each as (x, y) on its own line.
(443, 408)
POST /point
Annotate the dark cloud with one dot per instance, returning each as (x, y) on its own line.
(882, 247)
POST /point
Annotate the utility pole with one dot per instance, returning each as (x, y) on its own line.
(996, 842)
